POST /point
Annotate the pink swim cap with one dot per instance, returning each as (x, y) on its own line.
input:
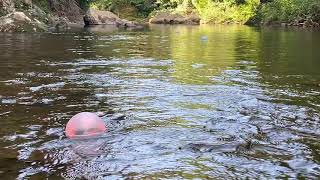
(85, 124)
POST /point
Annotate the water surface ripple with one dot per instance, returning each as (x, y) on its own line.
(180, 102)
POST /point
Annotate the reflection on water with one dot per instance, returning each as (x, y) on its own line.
(200, 53)
(180, 102)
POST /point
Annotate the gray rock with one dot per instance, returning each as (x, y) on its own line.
(36, 12)
(21, 22)
(69, 9)
(6, 7)
(172, 18)
(97, 17)
(59, 24)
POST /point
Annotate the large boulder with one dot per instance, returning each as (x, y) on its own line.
(70, 9)
(97, 17)
(6, 7)
(59, 23)
(26, 16)
(21, 22)
(173, 18)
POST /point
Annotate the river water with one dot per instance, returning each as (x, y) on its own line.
(180, 102)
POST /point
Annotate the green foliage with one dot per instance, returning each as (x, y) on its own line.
(103, 4)
(21, 5)
(183, 6)
(43, 4)
(290, 10)
(216, 11)
(84, 4)
(143, 7)
(166, 4)
(240, 11)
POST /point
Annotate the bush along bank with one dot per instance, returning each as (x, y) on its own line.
(305, 13)
(181, 11)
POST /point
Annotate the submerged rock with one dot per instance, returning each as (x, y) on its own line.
(171, 18)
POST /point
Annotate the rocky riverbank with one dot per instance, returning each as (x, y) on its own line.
(56, 15)
(26, 16)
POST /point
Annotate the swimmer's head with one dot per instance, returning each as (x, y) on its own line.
(84, 125)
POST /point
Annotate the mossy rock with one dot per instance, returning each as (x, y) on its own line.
(6, 7)
(21, 22)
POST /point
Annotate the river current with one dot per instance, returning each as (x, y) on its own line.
(180, 102)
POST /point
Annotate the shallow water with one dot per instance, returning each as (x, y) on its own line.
(180, 102)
